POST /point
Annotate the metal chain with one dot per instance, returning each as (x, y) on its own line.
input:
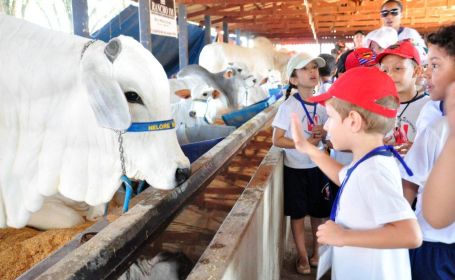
(120, 149)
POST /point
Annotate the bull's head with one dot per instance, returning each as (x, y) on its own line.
(127, 84)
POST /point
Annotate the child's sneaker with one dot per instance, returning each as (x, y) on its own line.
(302, 269)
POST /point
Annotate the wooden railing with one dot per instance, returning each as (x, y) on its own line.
(250, 242)
(113, 243)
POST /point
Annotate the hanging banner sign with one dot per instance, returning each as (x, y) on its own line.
(163, 18)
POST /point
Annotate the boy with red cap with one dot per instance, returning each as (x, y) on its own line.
(371, 222)
(402, 63)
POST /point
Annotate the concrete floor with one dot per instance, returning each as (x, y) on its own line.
(288, 271)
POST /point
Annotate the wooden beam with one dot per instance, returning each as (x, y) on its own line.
(221, 10)
(267, 11)
(275, 19)
(212, 10)
(228, 2)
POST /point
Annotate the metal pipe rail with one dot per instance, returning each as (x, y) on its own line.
(115, 242)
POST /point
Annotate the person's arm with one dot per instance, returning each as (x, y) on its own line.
(329, 166)
(280, 141)
(410, 191)
(439, 192)
(399, 234)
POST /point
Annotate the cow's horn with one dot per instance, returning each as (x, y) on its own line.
(113, 49)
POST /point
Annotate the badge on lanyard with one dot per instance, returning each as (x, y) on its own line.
(400, 134)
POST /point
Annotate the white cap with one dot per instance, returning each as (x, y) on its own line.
(301, 60)
(384, 36)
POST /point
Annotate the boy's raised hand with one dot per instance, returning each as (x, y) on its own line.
(330, 233)
(301, 144)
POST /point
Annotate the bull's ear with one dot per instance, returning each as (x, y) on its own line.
(265, 80)
(228, 74)
(104, 93)
(113, 49)
(215, 94)
(183, 93)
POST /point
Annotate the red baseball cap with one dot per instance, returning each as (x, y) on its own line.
(404, 49)
(360, 57)
(362, 86)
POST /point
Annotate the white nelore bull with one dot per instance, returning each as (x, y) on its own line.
(259, 59)
(61, 100)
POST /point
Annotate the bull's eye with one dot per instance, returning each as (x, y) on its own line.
(240, 70)
(133, 97)
(205, 94)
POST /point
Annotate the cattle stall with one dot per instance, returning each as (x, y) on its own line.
(103, 250)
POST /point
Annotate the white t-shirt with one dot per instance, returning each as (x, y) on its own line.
(324, 87)
(292, 157)
(372, 197)
(430, 112)
(406, 122)
(416, 40)
(421, 159)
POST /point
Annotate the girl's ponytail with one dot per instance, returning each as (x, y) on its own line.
(288, 91)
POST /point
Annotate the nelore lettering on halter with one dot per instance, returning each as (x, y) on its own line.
(151, 126)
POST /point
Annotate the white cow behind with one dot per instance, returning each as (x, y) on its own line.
(61, 100)
(272, 81)
(259, 59)
(194, 102)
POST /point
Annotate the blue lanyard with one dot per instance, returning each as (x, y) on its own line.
(441, 108)
(310, 119)
(381, 150)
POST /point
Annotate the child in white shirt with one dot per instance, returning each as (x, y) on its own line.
(402, 63)
(435, 259)
(371, 223)
(306, 189)
(438, 203)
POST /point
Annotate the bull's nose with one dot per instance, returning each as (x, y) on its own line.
(182, 174)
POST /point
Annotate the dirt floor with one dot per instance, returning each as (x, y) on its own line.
(20, 249)
(191, 231)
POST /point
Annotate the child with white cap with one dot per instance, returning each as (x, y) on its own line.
(379, 39)
(306, 189)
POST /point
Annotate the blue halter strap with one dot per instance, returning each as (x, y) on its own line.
(141, 127)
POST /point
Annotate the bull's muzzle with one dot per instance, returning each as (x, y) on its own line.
(182, 174)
